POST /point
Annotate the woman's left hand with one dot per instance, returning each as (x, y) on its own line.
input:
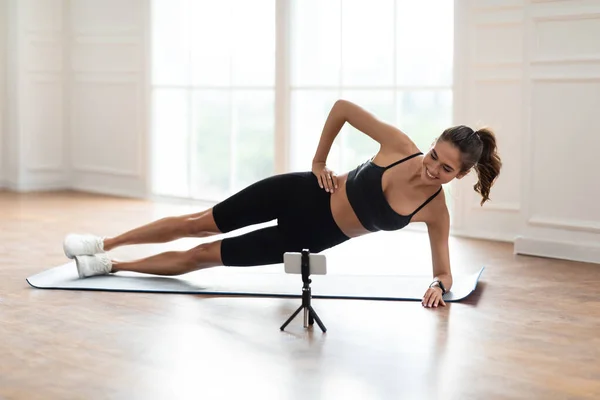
(433, 297)
(327, 179)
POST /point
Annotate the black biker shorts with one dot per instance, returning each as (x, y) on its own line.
(303, 215)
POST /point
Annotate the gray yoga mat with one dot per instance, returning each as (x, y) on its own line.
(246, 282)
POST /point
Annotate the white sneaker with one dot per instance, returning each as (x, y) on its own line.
(82, 245)
(98, 264)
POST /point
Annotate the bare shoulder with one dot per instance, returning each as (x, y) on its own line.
(391, 138)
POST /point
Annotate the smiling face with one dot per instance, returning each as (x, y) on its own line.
(442, 163)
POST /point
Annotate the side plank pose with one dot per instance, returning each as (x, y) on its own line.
(319, 209)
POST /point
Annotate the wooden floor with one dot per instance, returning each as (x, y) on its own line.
(530, 331)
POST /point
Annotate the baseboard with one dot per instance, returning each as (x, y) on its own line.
(487, 235)
(108, 191)
(35, 187)
(583, 252)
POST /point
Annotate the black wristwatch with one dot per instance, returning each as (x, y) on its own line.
(440, 284)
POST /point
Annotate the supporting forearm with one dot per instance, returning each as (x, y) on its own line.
(333, 125)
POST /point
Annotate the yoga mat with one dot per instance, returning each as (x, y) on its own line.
(227, 281)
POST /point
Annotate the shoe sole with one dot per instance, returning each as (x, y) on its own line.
(78, 270)
(69, 255)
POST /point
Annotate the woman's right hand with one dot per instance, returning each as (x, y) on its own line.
(327, 178)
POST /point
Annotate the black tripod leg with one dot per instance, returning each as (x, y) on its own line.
(311, 320)
(313, 314)
(291, 318)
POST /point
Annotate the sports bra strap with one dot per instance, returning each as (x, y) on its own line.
(427, 201)
(404, 159)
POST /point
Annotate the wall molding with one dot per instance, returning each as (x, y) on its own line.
(506, 206)
(523, 70)
(79, 53)
(549, 222)
(43, 32)
(46, 77)
(494, 24)
(128, 31)
(504, 7)
(509, 52)
(582, 252)
(566, 60)
(41, 41)
(43, 55)
(563, 78)
(117, 40)
(105, 171)
(108, 190)
(548, 1)
(41, 168)
(498, 76)
(29, 136)
(565, 223)
(24, 186)
(497, 64)
(103, 78)
(500, 80)
(82, 81)
(537, 21)
(564, 16)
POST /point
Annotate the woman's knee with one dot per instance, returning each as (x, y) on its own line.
(200, 225)
(205, 254)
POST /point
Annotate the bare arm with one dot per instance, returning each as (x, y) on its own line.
(344, 111)
(439, 232)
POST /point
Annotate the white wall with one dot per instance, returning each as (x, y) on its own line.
(34, 147)
(77, 100)
(10, 136)
(3, 64)
(108, 96)
(532, 71)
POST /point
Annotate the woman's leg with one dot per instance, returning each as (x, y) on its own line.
(263, 201)
(259, 247)
(167, 229)
(175, 262)
(260, 202)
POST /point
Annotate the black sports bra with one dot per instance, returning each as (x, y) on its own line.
(368, 201)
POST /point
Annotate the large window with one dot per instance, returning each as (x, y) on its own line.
(214, 83)
(393, 57)
(213, 95)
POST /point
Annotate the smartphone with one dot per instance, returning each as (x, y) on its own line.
(293, 263)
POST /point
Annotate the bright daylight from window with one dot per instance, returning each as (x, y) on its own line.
(213, 84)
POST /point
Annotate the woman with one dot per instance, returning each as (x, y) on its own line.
(318, 210)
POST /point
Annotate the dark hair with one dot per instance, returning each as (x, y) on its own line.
(478, 149)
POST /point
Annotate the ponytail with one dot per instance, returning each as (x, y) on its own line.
(489, 164)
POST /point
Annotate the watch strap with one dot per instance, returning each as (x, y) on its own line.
(440, 284)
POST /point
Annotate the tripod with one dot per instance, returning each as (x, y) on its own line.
(310, 315)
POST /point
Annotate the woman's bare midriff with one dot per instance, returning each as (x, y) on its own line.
(342, 211)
